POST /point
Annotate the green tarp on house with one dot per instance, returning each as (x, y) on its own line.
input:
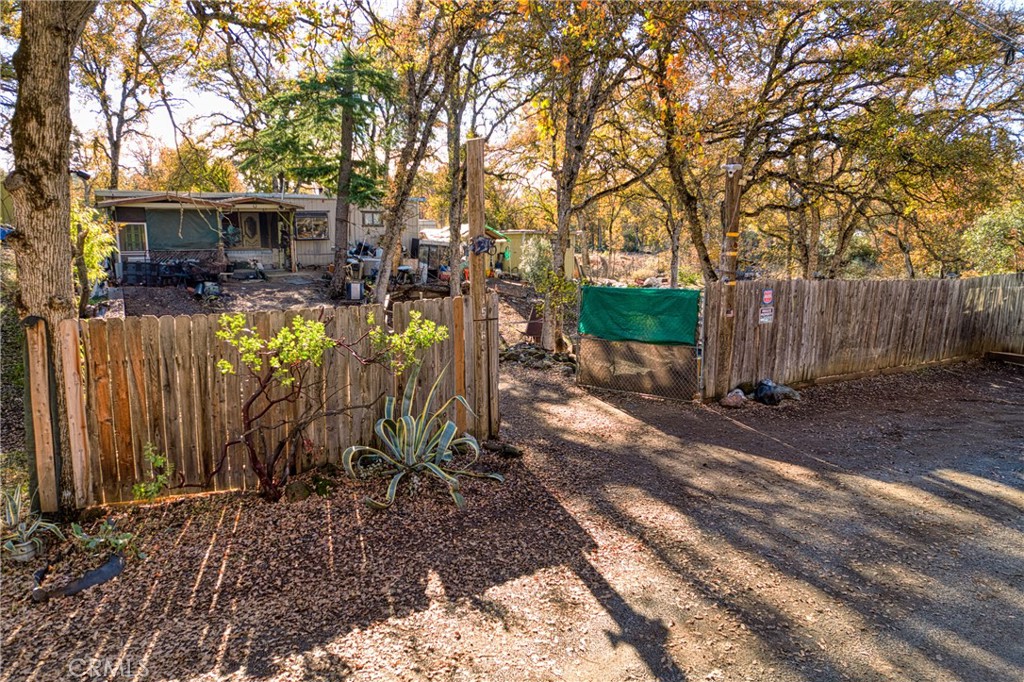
(663, 316)
(184, 229)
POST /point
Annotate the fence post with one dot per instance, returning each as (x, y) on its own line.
(478, 285)
(41, 420)
(730, 251)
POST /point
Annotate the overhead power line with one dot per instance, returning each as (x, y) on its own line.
(1009, 42)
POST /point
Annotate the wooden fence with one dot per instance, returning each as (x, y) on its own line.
(154, 380)
(826, 329)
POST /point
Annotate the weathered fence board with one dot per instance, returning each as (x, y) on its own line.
(829, 329)
(75, 396)
(37, 346)
(157, 380)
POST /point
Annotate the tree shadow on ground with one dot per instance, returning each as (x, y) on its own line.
(922, 552)
(236, 586)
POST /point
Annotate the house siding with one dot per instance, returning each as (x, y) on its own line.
(318, 252)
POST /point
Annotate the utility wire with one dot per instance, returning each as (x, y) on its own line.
(1007, 40)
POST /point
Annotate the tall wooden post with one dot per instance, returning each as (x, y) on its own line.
(41, 417)
(730, 251)
(478, 283)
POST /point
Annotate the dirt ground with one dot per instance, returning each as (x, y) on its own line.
(297, 291)
(871, 532)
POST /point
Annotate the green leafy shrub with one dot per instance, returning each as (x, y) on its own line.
(418, 444)
(398, 351)
(106, 537)
(162, 472)
(279, 368)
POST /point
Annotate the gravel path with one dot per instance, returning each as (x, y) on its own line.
(871, 532)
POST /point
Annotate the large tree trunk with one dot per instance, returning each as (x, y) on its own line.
(552, 327)
(343, 205)
(676, 168)
(813, 237)
(39, 184)
(115, 164)
(696, 230)
(456, 190)
(393, 210)
(673, 275)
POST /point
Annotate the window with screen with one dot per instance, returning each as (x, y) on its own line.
(372, 219)
(132, 237)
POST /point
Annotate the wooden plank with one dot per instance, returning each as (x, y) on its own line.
(469, 341)
(775, 336)
(94, 475)
(448, 355)
(458, 337)
(742, 341)
(153, 398)
(347, 376)
(883, 327)
(492, 375)
(313, 402)
(40, 408)
(356, 328)
(922, 320)
(282, 416)
(185, 382)
(74, 398)
(899, 313)
(879, 308)
(812, 320)
(217, 383)
(954, 329)
(436, 360)
(138, 405)
(268, 323)
(320, 426)
(104, 411)
(174, 448)
(1016, 344)
(335, 393)
(366, 381)
(381, 383)
(120, 390)
(235, 382)
(710, 350)
(203, 399)
(926, 322)
(937, 341)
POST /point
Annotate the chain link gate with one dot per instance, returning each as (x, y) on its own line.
(666, 371)
(642, 341)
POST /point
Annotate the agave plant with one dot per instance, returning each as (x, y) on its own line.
(415, 444)
(22, 528)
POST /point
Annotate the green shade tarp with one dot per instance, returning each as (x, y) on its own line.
(666, 316)
(182, 229)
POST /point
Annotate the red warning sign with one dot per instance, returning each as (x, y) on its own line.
(767, 297)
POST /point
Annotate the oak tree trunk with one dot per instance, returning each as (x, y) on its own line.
(343, 205)
(673, 275)
(39, 184)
